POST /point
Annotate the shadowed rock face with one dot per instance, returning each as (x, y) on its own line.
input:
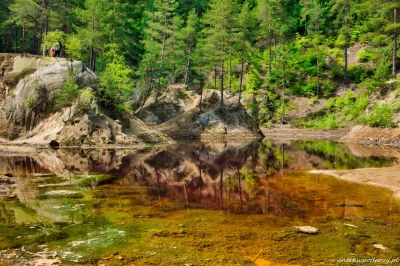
(29, 85)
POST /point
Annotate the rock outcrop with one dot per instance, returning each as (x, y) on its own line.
(213, 122)
(28, 113)
(29, 88)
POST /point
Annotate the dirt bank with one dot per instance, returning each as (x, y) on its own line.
(279, 132)
(368, 135)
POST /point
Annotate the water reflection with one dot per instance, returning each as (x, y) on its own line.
(88, 204)
(258, 177)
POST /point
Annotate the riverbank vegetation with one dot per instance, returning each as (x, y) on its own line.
(269, 52)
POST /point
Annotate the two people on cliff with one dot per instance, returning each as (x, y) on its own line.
(55, 51)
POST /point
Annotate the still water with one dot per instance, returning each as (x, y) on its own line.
(194, 204)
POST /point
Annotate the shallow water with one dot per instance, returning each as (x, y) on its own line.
(194, 204)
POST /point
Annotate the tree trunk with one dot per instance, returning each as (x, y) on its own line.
(346, 37)
(158, 89)
(187, 69)
(16, 37)
(394, 44)
(173, 73)
(283, 92)
(270, 43)
(215, 77)
(23, 38)
(164, 39)
(188, 61)
(230, 67)
(146, 97)
(241, 79)
(43, 23)
(201, 95)
(92, 63)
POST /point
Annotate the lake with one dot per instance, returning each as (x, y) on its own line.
(194, 203)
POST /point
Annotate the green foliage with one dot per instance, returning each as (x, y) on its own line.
(367, 55)
(325, 122)
(254, 81)
(358, 73)
(68, 94)
(381, 115)
(51, 38)
(30, 103)
(116, 85)
(73, 47)
(291, 47)
(340, 112)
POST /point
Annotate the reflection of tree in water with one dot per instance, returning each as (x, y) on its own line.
(338, 156)
(165, 163)
(218, 176)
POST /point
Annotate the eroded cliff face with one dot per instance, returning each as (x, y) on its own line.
(28, 114)
(29, 85)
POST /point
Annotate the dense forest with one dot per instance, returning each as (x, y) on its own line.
(265, 51)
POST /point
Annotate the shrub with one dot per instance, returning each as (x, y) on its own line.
(30, 103)
(357, 73)
(327, 88)
(68, 93)
(380, 40)
(381, 116)
(325, 122)
(366, 55)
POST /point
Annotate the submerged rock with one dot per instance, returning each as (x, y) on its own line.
(307, 229)
(380, 246)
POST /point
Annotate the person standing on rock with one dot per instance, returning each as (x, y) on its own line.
(53, 51)
(58, 47)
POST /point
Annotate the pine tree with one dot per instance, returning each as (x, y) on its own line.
(93, 29)
(266, 12)
(218, 32)
(24, 13)
(115, 82)
(158, 31)
(174, 52)
(341, 9)
(244, 23)
(311, 14)
(190, 33)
